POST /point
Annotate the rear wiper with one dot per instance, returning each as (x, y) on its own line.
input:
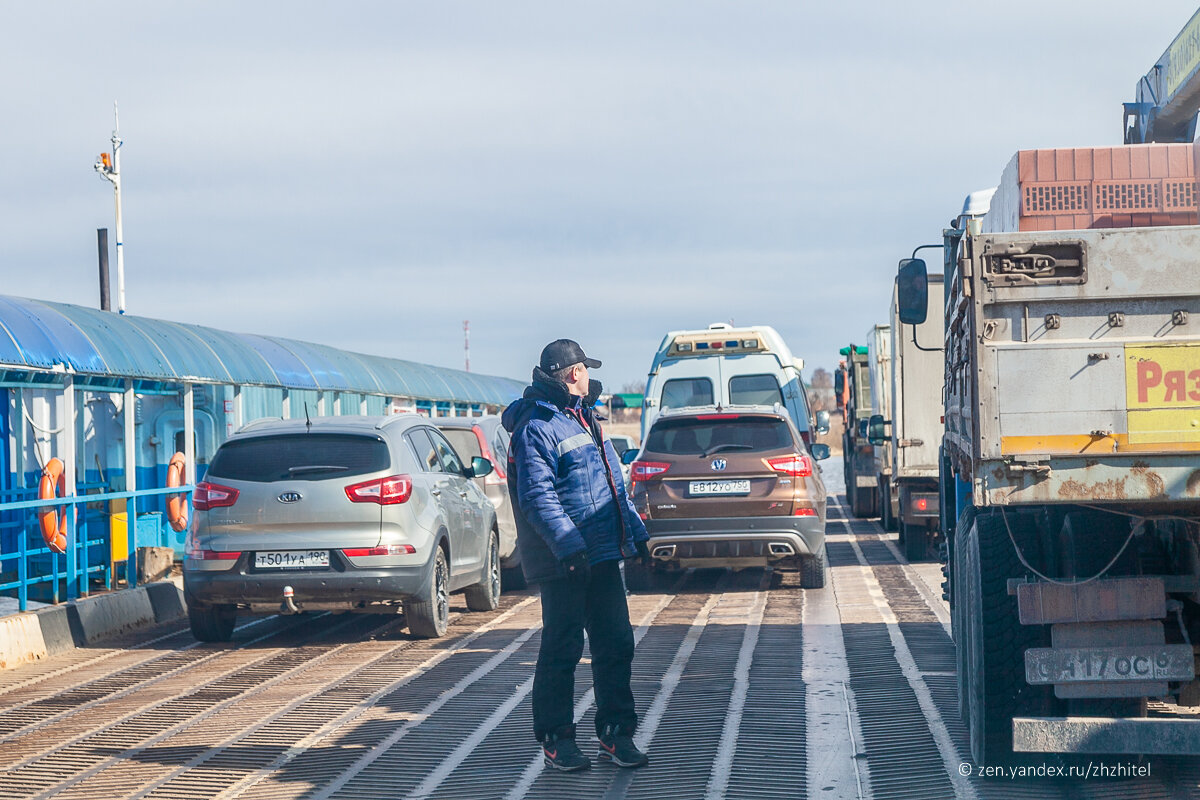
(316, 468)
(721, 447)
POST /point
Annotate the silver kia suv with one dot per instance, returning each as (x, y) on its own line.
(369, 514)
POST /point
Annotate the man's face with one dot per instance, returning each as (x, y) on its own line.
(578, 380)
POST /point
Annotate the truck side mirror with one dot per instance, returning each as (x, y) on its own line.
(912, 291)
(629, 456)
(839, 382)
(819, 451)
(822, 422)
(877, 430)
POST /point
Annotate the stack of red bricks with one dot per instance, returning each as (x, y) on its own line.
(1098, 187)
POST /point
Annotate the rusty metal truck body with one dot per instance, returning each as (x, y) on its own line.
(1071, 471)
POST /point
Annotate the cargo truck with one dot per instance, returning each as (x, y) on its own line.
(906, 429)
(858, 454)
(1071, 457)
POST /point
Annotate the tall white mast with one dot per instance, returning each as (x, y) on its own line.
(110, 169)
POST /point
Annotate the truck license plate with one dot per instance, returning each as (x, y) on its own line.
(696, 488)
(1168, 662)
(291, 559)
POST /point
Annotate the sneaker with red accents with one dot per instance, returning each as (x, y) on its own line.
(618, 747)
(563, 754)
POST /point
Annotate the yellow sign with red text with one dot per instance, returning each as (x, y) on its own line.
(1162, 393)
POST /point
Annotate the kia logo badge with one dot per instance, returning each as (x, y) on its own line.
(289, 497)
(719, 464)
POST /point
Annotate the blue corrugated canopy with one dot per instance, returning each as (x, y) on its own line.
(40, 335)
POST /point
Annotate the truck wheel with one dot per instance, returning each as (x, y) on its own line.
(862, 503)
(428, 613)
(887, 520)
(958, 622)
(813, 571)
(996, 641)
(916, 541)
(485, 595)
(212, 623)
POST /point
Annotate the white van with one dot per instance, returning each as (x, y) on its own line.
(723, 365)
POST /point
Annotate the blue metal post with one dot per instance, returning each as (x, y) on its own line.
(131, 542)
(70, 469)
(23, 567)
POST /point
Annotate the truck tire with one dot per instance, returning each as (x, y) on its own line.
(996, 641)
(887, 520)
(958, 622)
(916, 541)
(428, 613)
(485, 595)
(813, 571)
(862, 504)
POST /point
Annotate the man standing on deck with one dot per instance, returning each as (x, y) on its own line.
(574, 524)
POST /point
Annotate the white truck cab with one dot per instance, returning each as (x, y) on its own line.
(724, 365)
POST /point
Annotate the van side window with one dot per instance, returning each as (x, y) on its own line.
(754, 390)
(682, 392)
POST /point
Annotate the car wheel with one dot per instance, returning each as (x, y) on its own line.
(428, 614)
(212, 623)
(485, 595)
(812, 571)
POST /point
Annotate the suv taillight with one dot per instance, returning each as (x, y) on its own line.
(388, 491)
(385, 550)
(797, 465)
(213, 495)
(645, 470)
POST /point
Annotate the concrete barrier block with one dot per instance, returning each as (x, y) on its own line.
(167, 600)
(60, 629)
(20, 640)
(109, 614)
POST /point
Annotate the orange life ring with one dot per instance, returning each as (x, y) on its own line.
(54, 526)
(177, 510)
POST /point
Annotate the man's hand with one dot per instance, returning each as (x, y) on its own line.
(643, 553)
(577, 565)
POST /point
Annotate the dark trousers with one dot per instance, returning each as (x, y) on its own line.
(569, 605)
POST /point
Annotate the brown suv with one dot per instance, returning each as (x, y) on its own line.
(729, 487)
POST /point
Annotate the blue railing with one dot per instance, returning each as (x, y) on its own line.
(38, 564)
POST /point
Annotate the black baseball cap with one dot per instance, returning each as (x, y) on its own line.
(564, 353)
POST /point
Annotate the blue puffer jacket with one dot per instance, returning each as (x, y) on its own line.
(567, 496)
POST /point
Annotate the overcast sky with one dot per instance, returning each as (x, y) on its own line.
(368, 175)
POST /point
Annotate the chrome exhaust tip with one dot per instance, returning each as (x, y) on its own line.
(781, 549)
(664, 552)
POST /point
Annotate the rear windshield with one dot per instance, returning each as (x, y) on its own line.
(465, 442)
(684, 437)
(299, 456)
(754, 390)
(682, 392)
